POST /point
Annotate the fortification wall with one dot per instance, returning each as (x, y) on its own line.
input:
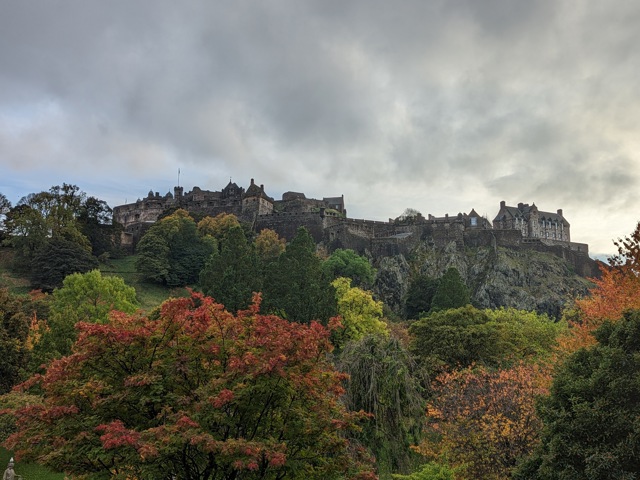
(286, 224)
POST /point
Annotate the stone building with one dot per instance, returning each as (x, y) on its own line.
(532, 222)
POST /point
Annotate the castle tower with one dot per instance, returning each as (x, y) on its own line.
(256, 202)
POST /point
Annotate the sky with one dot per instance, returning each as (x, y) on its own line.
(441, 106)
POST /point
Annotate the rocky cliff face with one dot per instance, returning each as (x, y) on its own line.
(496, 277)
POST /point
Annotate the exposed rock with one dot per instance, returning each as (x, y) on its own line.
(501, 277)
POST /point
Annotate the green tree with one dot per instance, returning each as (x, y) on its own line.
(464, 336)
(96, 223)
(360, 314)
(196, 393)
(385, 382)
(296, 285)
(5, 206)
(232, 276)
(429, 471)
(592, 415)
(56, 259)
(88, 297)
(347, 263)
(420, 295)
(452, 292)
(172, 252)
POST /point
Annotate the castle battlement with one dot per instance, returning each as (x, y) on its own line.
(523, 226)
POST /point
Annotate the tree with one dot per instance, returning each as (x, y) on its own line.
(484, 421)
(217, 226)
(14, 330)
(296, 286)
(96, 223)
(591, 417)
(428, 471)
(232, 275)
(360, 314)
(5, 206)
(58, 258)
(451, 292)
(420, 296)
(84, 297)
(464, 336)
(347, 263)
(197, 393)
(172, 252)
(269, 245)
(385, 382)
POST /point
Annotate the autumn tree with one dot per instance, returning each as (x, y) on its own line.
(269, 245)
(14, 330)
(482, 421)
(591, 417)
(360, 314)
(385, 381)
(218, 226)
(197, 393)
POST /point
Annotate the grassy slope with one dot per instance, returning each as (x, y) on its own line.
(150, 295)
(28, 471)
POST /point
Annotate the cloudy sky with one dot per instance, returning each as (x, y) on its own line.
(442, 106)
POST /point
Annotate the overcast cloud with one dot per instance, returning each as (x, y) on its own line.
(442, 106)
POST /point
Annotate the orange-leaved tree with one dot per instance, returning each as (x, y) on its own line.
(481, 421)
(618, 288)
(196, 393)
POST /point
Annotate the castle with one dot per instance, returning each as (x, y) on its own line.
(523, 226)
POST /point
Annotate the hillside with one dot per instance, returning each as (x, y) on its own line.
(497, 277)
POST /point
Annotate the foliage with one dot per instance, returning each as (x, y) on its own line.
(196, 393)
(628, 256)
(5, 206)
(347, 263)
(172, 252)
(58, 258)
(592, 415)
(420, 295)
(483, 421)
(218, 226)
(95, 223)
(269, 245)
(88, 297)
(614, 292)
(360, 313)
(384, 381)
(428, 471)
(231, 276)
(409, 216)
(465, 336)
(296, 286)
(14, 331)
(451, 292)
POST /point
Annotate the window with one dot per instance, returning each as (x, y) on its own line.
(474, 221)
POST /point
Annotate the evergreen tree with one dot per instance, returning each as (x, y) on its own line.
(231, 276)
(592, 415)
(296, 286)
(452, 292)
(420, 296)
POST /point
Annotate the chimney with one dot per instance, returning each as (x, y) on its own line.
(560, 212)
(503, 204)
(520, 206)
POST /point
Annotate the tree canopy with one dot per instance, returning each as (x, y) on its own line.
(172, 252)
(197, 393)
(347, 263)
(451, 291)
(591, 417)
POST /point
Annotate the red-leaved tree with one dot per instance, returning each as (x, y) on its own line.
(196, 393)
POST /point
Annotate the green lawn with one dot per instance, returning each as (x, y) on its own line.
(150, 295)
(28, 471)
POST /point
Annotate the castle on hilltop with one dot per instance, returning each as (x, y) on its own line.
(523, 226)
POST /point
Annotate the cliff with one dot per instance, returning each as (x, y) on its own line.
(497, 277)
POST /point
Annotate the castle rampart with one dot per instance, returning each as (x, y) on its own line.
(523, 226)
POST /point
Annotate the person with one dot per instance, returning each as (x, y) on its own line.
(9, 474)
